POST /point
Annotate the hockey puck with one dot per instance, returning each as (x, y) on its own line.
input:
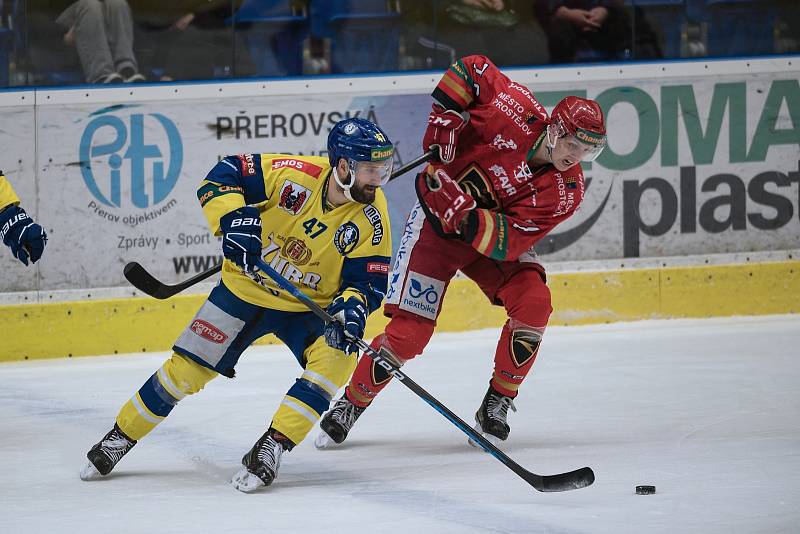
(645, 490)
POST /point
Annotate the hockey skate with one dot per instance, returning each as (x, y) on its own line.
(337, 423)
(490, 419)
(106, 453)
(261, 463)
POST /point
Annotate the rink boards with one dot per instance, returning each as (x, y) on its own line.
(125, 325)
(703, 161)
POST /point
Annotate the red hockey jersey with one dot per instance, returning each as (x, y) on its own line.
(517, 204)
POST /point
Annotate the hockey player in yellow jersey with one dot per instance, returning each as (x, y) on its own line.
(321, 223)
(25, 238)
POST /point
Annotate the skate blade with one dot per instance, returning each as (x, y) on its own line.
(324, 441)
(246, 482)
(494, 440)
(89, 472)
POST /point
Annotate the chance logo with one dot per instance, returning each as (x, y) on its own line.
(153, 167)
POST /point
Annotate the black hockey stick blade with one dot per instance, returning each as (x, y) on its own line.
(580, 478)
(147, 283)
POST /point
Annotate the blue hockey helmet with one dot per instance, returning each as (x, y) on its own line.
(358, 140)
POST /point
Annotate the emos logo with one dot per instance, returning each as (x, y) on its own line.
(153, 167)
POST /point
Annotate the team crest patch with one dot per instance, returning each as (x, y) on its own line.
(346, 238)
(572, 183)
(293, 197)
(297, 251)
(524, 346)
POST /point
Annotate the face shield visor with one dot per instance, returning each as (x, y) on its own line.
(371, 172)
(584, 145)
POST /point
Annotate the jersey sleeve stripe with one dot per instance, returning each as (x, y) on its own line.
(459, 70)
(491, 237)
(483, 237)
(500, 248)
(453, 87)
(254, 187)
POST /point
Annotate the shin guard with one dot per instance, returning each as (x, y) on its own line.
(369, 379)
(177, 378)
(405, 336)
(516, 352)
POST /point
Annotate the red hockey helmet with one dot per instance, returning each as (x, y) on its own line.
(583, 119)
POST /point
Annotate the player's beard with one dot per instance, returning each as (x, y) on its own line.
(362, 195)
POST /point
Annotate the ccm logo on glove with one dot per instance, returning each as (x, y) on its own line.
(440, 121)
(442, 132)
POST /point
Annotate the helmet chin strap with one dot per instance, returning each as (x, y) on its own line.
(550, 144)
(345, 188)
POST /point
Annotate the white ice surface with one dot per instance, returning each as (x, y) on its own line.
(708, 411)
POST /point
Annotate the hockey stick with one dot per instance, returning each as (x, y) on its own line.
(580, 478)
(147, 283)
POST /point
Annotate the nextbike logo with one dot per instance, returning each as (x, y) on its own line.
(422, 295)
(153, 167)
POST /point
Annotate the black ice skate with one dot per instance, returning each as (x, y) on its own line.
(106, 453)
(261, 463)
(337, 423)
(491, 417)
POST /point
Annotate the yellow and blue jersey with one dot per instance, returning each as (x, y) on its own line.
(7, 194)
(322, 250)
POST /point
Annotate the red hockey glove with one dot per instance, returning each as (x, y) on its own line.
(444, 203)
(442, 132)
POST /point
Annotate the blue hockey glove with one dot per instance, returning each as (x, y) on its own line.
(241, 241)
(351, 317)
(25, 238)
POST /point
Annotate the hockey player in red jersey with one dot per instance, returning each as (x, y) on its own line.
(507, 176)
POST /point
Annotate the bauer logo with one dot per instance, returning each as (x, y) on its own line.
(422, 295)
(208, 331)
(130, 161)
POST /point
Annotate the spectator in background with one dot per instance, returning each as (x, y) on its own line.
(185, 39)
(505, 30)
(102, 34)
(595, 30)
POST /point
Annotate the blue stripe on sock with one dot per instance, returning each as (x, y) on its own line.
(310, 394)
(156, 398)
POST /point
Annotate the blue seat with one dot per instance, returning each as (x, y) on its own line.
(668, 18)
(273, 32)
(364, 34)
(19, 44)
(740, 27)
(6, 40)
(6, 49)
